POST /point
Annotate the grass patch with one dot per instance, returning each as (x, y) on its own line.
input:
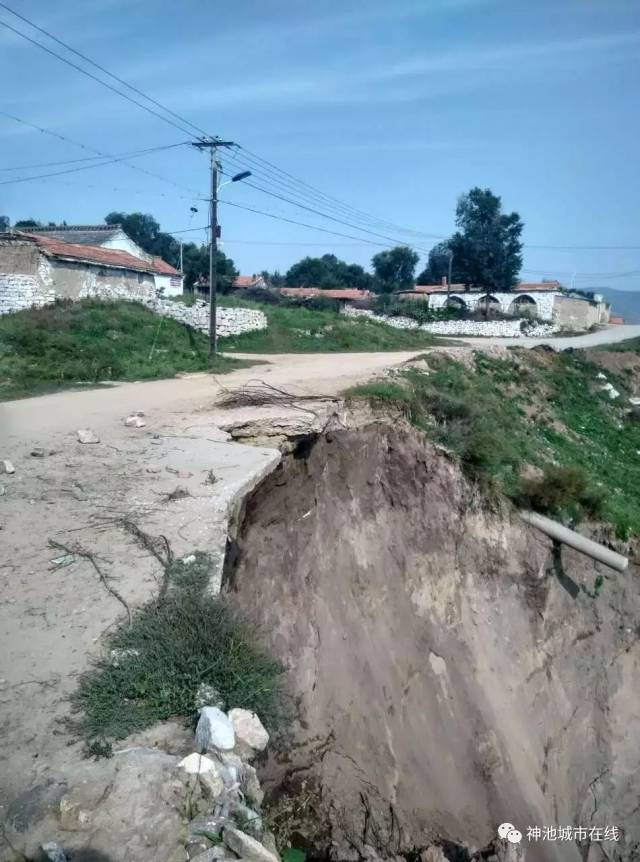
(95, 341)
(631, 345)
(305, 330)
(538, 409)
(175, 643)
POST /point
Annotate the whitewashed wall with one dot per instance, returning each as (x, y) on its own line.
(230, 321)
(544, 301)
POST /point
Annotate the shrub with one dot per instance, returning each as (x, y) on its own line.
(175, 643)
(561, 489)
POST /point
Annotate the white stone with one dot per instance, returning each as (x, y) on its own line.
(247, 847)
(197, 764)
(249, 729)
(212, 783)
(214, 730)
(87, 435)
(134, 421)
(7, 467)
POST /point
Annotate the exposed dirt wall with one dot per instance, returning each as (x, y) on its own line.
(445, 679)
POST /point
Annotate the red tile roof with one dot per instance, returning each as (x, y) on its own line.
(164, 268)
(247, 280)
(94, 254)
(309, 292)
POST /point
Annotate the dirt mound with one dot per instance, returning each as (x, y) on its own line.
(448, 676)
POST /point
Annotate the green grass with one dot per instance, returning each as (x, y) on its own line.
(183, 638)
(95, 341)
(302, 330)
(631, 345)
(542, 410)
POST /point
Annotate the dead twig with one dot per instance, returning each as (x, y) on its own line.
(80, 551)
(260, 393)
(151, 543)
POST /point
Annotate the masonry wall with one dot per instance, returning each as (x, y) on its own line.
(571, 313)
(163, 283)
(21, 283)
(543, 302)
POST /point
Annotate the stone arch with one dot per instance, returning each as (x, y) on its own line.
(523, 305)
(455, 302)
(488, 303)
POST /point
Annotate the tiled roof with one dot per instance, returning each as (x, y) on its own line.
(309, 292)
(247, 280)
(163, 268)
(92, 254)
(80, 234)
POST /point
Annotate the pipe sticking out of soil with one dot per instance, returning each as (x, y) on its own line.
(580, 543)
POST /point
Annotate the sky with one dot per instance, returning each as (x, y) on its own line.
(392, 107)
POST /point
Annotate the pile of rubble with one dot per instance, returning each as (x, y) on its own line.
(516, 328)
(149, 802)
(230, 321)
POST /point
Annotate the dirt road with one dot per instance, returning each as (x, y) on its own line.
(316, 373)
(610, 335)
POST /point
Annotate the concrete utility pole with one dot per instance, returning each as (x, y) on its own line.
(449, 276)
(212, 145)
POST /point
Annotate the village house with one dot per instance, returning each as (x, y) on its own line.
(545, 300)
(38, 268)
(246, 282)
(346, 294)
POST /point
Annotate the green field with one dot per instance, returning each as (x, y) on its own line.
(95, 341)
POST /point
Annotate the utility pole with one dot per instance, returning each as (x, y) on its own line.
(449, 276)
(181, 267)
(212, 145)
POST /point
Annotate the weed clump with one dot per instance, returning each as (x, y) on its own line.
(175, 643)
(561, 489)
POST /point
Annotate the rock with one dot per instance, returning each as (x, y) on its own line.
(250, 785)
(77, 806)
(209, 823)
(38, 452)
(118, 656)
(246, 817)
(206, 695)
(153, 468)
(197, 848)
(233, 768)
(433, 854)
(213, 853)
(53, 852)
(214, 730)
(247, 847)
(196, 764)
(135, 421)
(7, 467)
(249, 729)
(211, 783)
(87, 435)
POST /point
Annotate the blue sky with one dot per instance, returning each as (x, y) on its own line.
(394, 107)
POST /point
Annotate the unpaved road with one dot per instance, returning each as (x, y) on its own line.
(305, 373)
(610, 335)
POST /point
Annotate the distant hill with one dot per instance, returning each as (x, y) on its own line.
(625, 303)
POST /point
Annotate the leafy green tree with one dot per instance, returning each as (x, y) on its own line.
(196, 266)
(27, 223)
(273, 279)
(487, 251)
(327, 272)
(437, 266)
(395, 268)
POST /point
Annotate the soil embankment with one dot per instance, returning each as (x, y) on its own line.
(450, 671)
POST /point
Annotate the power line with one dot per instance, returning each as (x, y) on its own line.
(101, 68)
(325, 215)
(88, 167)
(93, 77)
(89, 149)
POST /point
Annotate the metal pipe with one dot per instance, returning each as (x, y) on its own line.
(575, 540)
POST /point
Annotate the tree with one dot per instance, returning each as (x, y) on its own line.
(437, 266)
(27, 223)
(327, 272)
(196, 266)
(395, 268)
(487, 251)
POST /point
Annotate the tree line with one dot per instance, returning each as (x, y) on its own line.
(484, 251)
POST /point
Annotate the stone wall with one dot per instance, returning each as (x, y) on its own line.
(543, 301)
(573, 313)
(231, 321)
(487, 328)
